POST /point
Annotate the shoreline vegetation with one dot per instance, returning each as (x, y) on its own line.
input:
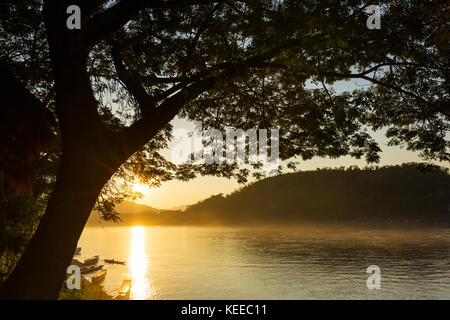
(410, 194)
(87, 291)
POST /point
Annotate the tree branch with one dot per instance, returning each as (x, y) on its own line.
(408, 93)
(364, 75)
(172, 100)
(114, 18)
(139, 133)
(200, 30)
(90, 6)
(145, 101)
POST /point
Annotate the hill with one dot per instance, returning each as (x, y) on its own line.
(130, 214)
(128, 207)
(410, 192)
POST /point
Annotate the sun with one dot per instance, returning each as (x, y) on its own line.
(141, 188)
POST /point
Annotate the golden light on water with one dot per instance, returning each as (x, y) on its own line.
(138, 264)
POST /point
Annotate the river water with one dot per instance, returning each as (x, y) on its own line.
(304, 262)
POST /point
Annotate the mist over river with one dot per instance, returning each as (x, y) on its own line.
(304, 262)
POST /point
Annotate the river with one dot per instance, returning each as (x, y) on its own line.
(304, 262)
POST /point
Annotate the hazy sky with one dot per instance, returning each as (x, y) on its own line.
(176, 193)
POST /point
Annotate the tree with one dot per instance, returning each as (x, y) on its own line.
(243, 64)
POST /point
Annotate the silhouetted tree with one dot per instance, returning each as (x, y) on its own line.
(228, 63)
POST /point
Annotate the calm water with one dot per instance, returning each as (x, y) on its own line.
(288, 263)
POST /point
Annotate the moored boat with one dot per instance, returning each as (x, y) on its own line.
(77, 251)
(124, 290)
(99, 276)
(90, 269)
(77, 262)
(112, 261)
(91, 261)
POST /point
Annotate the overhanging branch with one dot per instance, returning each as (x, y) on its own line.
(114, 18)
(145, 101)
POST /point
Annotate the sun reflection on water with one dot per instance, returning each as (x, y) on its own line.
(138, 264)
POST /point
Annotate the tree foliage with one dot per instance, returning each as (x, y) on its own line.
(254, 64)
(272, 65)
(113, 87)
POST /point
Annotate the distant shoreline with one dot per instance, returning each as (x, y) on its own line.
(404, 195)
(294, 224)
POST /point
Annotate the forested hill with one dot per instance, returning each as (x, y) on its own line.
(410, 192)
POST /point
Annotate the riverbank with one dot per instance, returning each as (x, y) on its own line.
(88, 291)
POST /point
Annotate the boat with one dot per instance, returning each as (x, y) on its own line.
(90, 269)
(112, 261)
(99, 276)
(124, 290)
(77, 251)
(91, 261)
(77, 262)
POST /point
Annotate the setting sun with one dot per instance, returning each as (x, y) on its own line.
(141, 188)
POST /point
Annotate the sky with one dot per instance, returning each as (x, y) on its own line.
(174, 194)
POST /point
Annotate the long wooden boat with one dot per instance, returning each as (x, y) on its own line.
(112, 261)
(77, 251)
(77, 262)
(99, 276)
(124, 290)
(90, 269)
(91, 261)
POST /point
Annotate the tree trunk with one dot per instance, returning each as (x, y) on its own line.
(90, 156)
(86, 164)
(42, 268)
